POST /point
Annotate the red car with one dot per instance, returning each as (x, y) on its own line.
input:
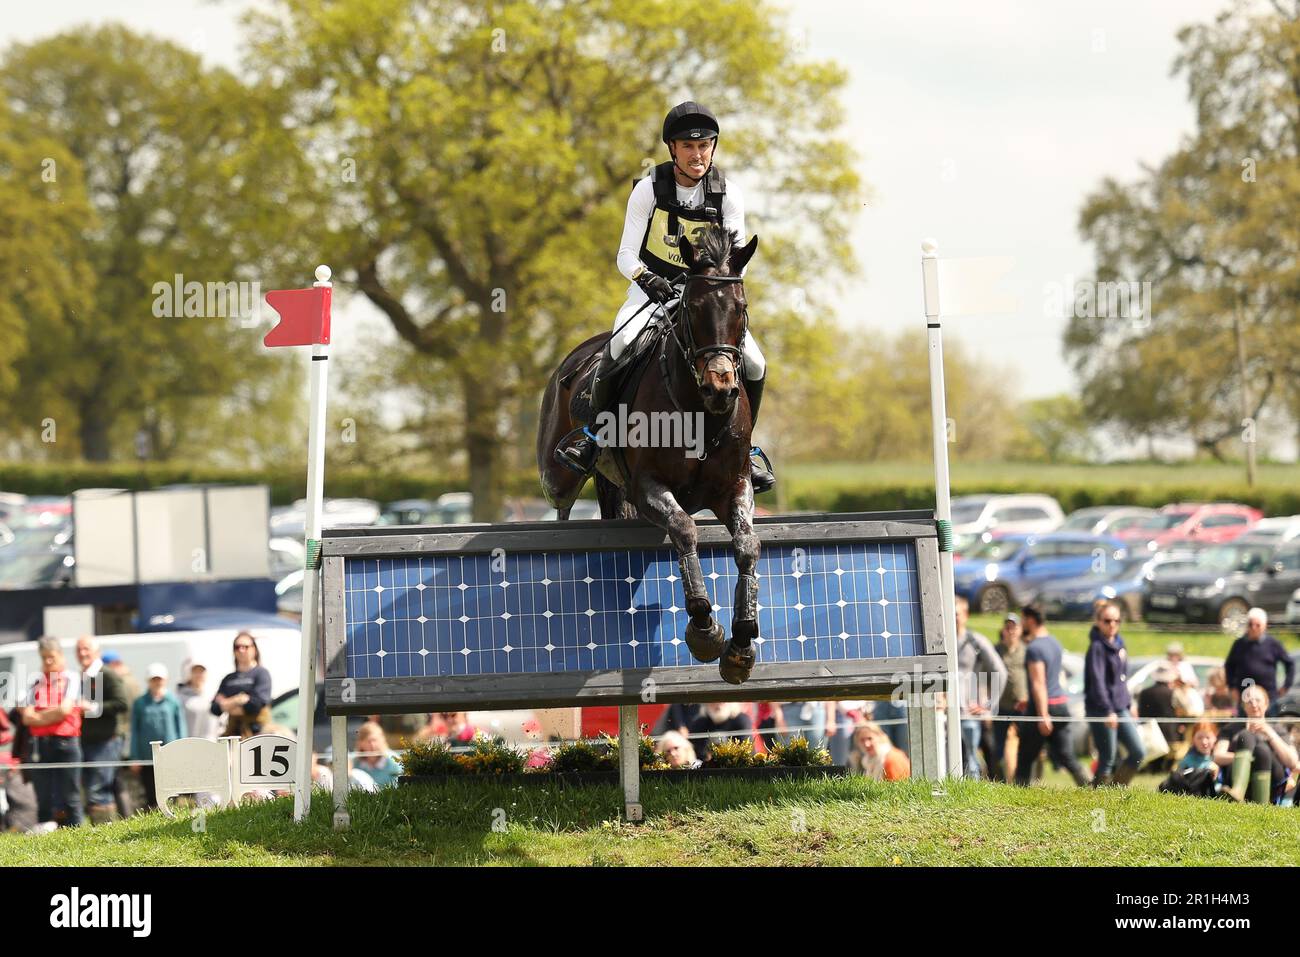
(1185, 522)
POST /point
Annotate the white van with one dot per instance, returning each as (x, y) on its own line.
(278, 648)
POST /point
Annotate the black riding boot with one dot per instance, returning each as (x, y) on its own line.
(579, 450)
(762, 478)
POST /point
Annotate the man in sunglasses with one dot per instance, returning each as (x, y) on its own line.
(1106, 696)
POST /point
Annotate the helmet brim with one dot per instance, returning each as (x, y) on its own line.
(695, 134)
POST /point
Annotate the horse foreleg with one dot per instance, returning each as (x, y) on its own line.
(704, 636)
(738, 656)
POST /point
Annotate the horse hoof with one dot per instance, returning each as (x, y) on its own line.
(736, 663)
(705, 645)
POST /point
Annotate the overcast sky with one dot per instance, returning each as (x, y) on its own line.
(981, 124)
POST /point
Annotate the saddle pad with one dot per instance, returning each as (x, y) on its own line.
(625, 373)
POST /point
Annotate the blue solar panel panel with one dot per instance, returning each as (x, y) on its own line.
(542, 612)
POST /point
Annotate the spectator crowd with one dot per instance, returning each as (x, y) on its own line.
(92, 722)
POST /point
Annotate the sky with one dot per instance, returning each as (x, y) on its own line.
(981, 124)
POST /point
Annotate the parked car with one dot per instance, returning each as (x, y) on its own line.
(1123, 582)
(1105, 519)
(11, 503)
(291, 521)
(1002, 575)
(1282, 529)
(38, 557)
(410, 511)
(1226, 582)
(1191, 522)
(288, 594)
(286, 555)
(1005, 513)
(1293, 610)
(44, 511)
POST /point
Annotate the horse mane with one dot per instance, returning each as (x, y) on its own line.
(712, 247)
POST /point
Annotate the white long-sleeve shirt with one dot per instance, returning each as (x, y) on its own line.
(641, 205)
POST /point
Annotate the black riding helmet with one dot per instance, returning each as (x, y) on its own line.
(690, 121)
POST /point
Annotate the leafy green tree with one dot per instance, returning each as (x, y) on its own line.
(479, 157)
(1212, 229)
(41, 255)
(1058, 429)
(189, 173)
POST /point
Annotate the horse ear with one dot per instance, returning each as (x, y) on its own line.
(687, 252)
(741, 256)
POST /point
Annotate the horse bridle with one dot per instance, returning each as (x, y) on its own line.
(694, 352)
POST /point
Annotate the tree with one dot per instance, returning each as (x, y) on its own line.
(1058, 429)
(481, 155)
(186, 173)
(46, 211)
(1212, 229)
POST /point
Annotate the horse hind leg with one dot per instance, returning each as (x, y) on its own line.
(613, 500)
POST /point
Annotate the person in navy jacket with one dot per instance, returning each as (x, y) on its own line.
(245, 694)
(1106, 696)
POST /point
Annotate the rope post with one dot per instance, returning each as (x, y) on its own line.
(942, 497)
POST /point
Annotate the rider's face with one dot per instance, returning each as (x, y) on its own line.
(694, 156)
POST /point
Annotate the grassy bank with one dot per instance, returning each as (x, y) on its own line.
(845, 822)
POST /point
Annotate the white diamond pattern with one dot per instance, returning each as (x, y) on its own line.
(543, 608)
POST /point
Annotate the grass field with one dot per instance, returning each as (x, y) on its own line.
(1140, 639)
(836, 822)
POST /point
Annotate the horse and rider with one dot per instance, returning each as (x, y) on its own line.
(681, 345)
(681, 197)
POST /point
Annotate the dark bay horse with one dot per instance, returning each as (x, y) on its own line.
(694, 371)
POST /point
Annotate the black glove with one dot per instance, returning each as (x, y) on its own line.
(655, 286)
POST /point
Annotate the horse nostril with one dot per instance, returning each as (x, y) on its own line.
(735, 391)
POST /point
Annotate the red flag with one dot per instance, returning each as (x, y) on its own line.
(304, 316)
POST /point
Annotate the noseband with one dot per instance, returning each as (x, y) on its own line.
(690, 351)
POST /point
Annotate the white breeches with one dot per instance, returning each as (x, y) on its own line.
(626, 329)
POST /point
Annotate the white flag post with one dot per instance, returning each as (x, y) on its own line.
(942, 497)
(970, 286)
(310, 578)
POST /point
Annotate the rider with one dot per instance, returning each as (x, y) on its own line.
(680, 198)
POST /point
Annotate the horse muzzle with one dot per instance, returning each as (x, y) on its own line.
(720, 385)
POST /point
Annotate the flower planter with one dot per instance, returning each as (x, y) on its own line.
(572, 779)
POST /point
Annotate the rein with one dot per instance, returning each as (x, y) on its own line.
(690, 352)
(694, 352)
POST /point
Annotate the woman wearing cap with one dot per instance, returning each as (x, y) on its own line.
(199, 719)
(244, 695)
(679, 198)
(155, 716)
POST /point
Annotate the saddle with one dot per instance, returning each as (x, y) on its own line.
(625, 375)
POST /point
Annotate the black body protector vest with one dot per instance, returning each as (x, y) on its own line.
(671, 220)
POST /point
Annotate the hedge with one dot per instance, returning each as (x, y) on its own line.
(821, 496)
(286, 484)
(289, 483)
